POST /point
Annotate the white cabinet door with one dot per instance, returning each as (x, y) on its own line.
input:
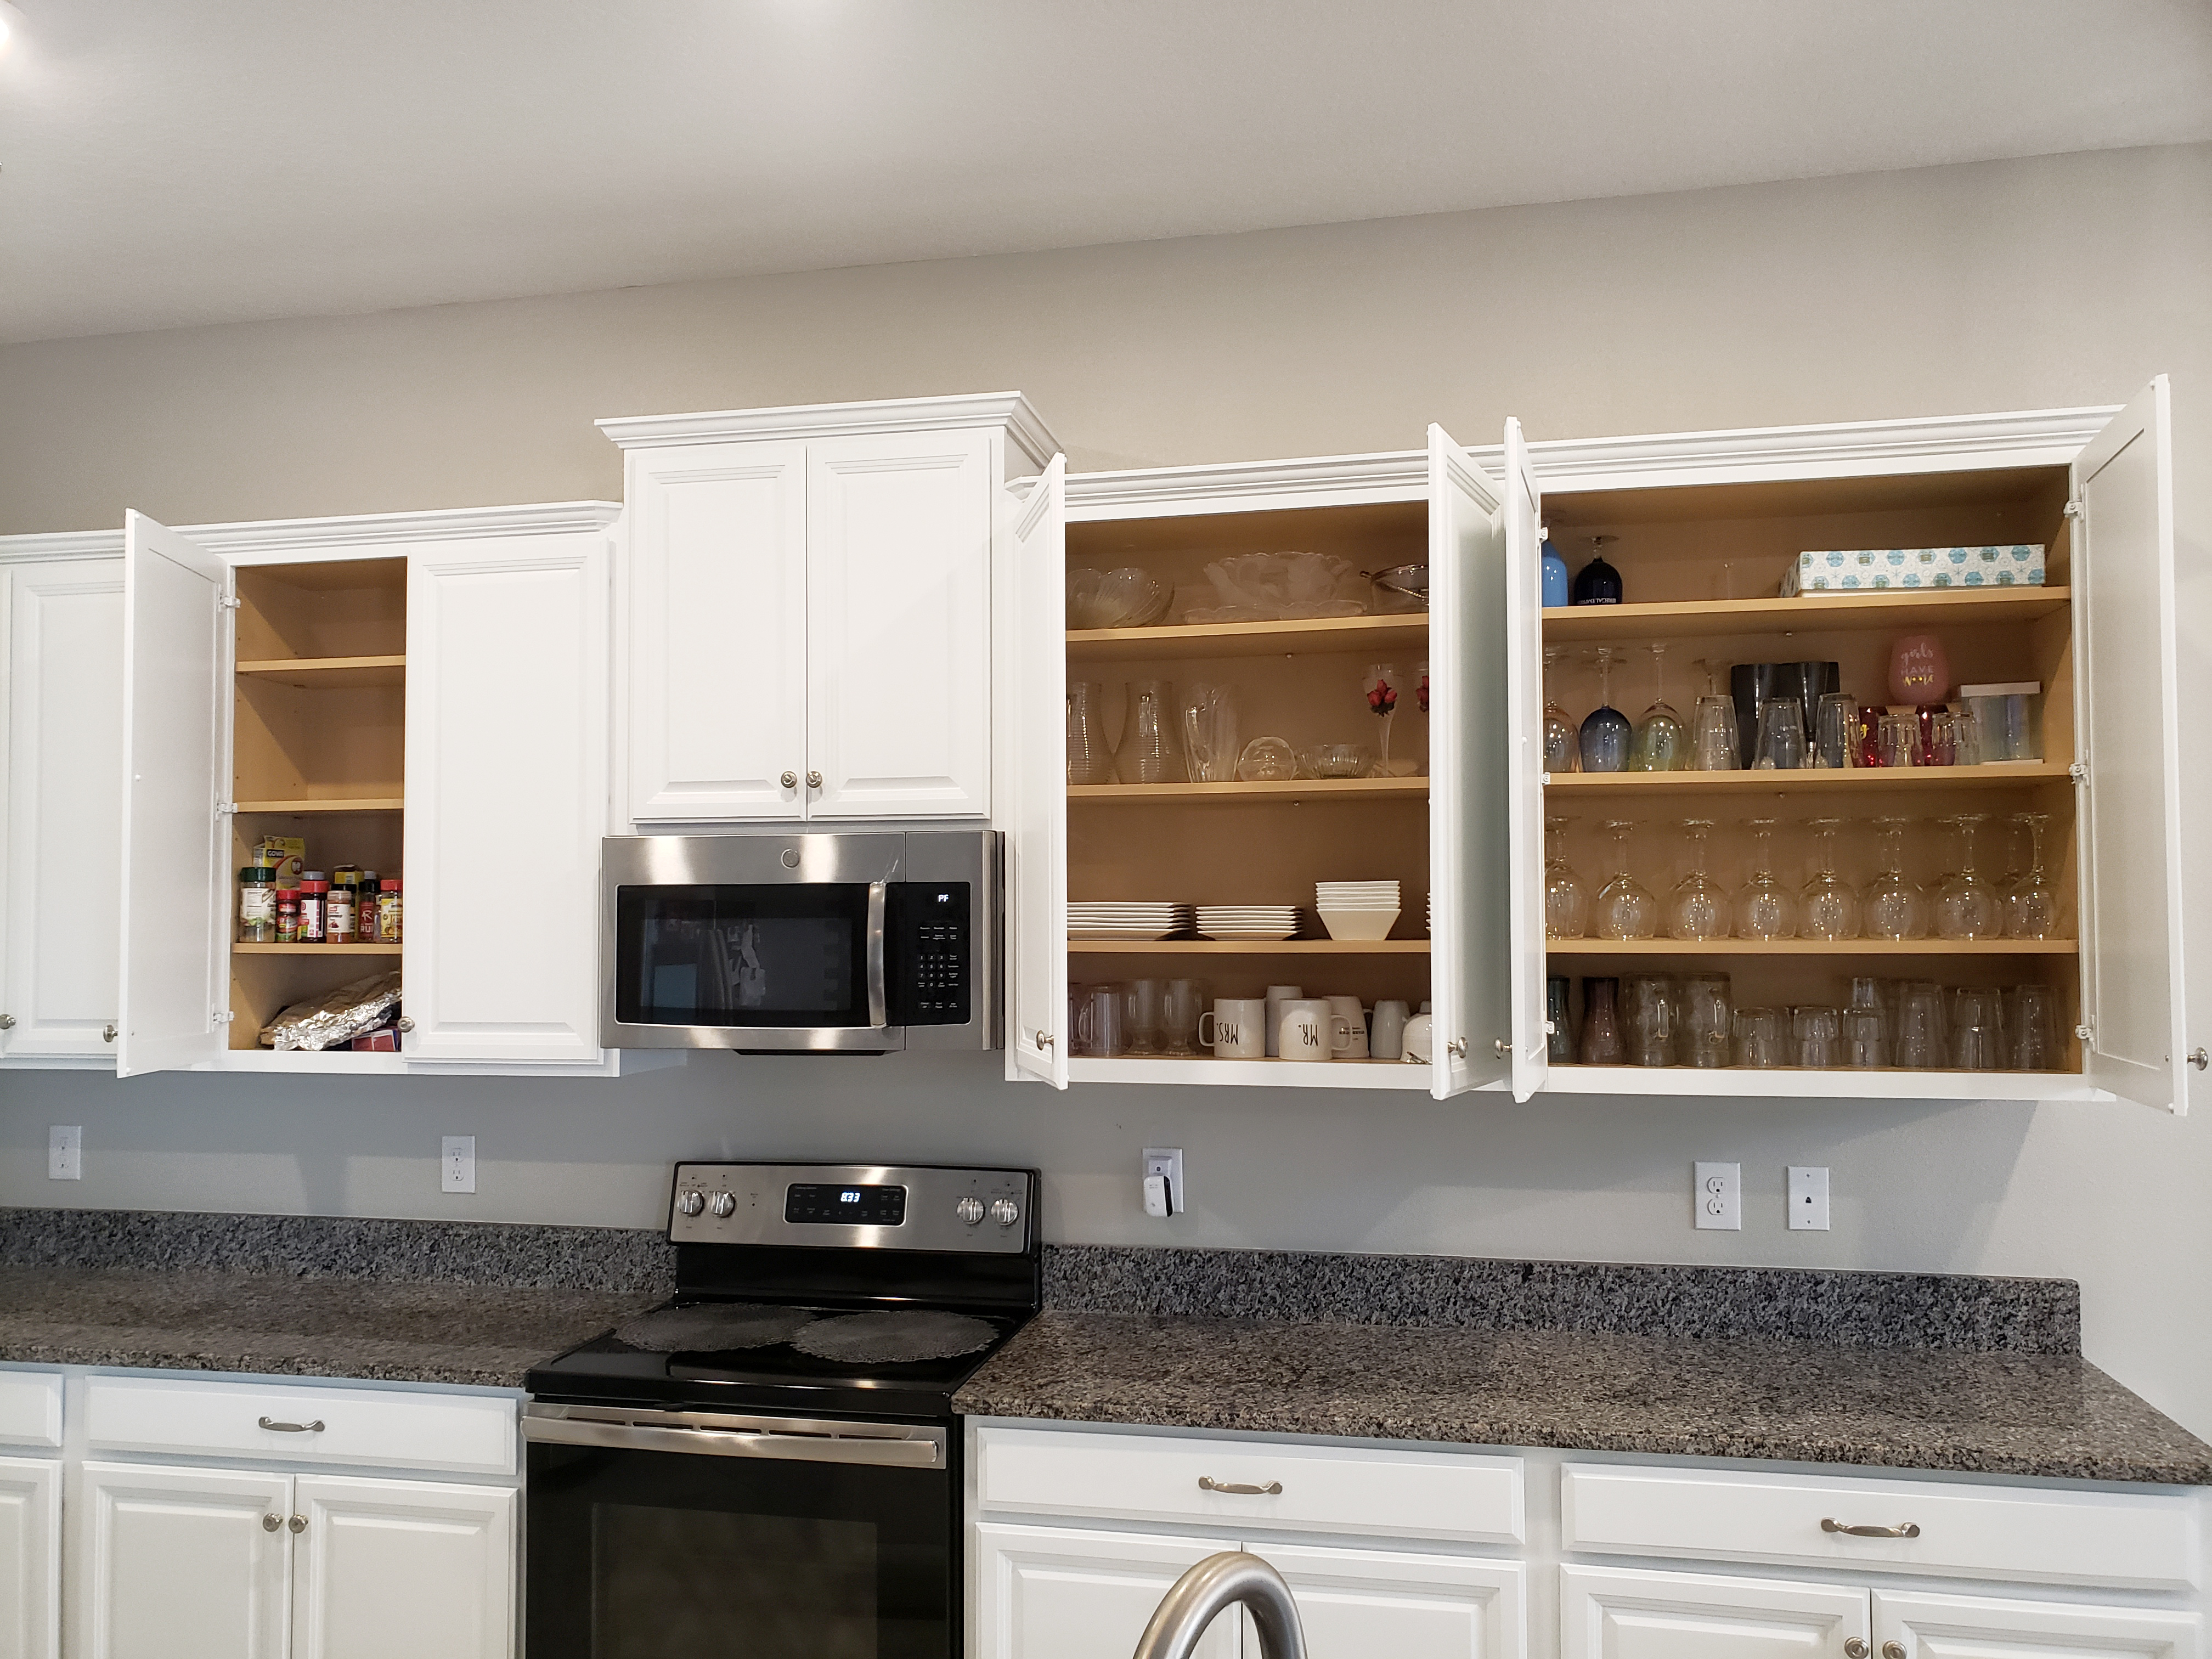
(1058, 1593)
(507, 722)
(899, 534)
(1355, 1604)
(1524, 786)
(1469, 761)
(403, 1570)
(1967, 1628)
(64, 691)
(30, 1558)
(1682, 1615)
(1037, 851)
(716, 627)
(179, 1564)
(175, 897)
(2127, 728)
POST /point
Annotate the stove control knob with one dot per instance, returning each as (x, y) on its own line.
(724, 1206)
(692, 1203)
(1005, 1212)
(969, 1210)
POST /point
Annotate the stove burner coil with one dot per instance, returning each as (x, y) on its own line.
(713, 1327)
(880, 1338)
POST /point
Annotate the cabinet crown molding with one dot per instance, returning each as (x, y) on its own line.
(1025, 428)
(270, 537)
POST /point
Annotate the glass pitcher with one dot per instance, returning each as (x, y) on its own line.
(1149, 750)
(1088, 759)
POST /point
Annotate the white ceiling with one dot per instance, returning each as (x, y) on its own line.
(174, 161)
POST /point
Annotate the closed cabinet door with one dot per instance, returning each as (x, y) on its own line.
(1036, 780)
(180, 1564)
(899, 538)
(1059, 1593)
(63, 730)
(1354, 1604)
(1970, 1627)
(714, 607)
(506, 723)
(1682, 1615)
(403, 1570)
(30, 1558)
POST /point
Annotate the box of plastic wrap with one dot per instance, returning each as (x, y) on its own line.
(1862, 569)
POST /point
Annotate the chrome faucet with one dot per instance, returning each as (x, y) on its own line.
(1221, 1581)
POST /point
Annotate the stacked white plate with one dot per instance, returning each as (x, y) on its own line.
(1248, 921)
(1133, 918)
(1356, 909)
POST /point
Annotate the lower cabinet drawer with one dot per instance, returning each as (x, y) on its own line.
(283, 1420)
(2144, 1540)
(1240, 1484)
(30, 1408)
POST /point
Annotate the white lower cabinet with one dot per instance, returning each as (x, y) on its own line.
(30, 1558)
(1058, 1593)
(1908, 1626)
(1617, 1614)
(402, 1570)
(1353, 1603)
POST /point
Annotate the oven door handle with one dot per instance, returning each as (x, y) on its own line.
(878, 1000)
(924, 1451)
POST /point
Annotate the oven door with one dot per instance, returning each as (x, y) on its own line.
(656, 1533)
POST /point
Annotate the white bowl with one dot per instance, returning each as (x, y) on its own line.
(1358, 924)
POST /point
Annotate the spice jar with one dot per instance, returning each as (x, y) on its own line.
(314, 900)
(387, 911)
(342, 919)
(257, 905)
(288, 915)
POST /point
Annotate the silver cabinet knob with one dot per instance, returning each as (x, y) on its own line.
(813, 779)
(271, 1522)
(1893, 1651)
(8, 1023)
(969, 1210)
(1855, 1648)
(790, 780)
(406, 1023)
(298, 1524)
(692, 1203)
(724, 1206)
(1006, 1211)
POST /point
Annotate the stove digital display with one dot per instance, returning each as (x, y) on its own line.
(849, 1206)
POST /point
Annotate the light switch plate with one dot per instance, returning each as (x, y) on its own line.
(1808, 1199)
(456, 1165)
(1719, 1197)
(65, 1153)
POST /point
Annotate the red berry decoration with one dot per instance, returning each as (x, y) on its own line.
(1382, 697)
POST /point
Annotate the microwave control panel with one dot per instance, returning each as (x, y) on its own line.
(931, 950)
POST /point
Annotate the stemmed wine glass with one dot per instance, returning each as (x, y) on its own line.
(1967, 907)
(1658, 745)
(1626, 908)
(2031, 908)
(1559, 747)
(1380, 686)
(1566, 901)
(1605, 733)
(1764, 909)
(1831, 906)
(1698, 907)
(1895, 909)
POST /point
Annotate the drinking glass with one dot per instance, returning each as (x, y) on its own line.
(1816, 1037)
(1561, 751)
(1144, 1014)
(1150, 752)
(1764, 909)
(1966, 738)
(1380, 686)
(1601, 1043)
(1698, 907)
(1781, 742)
(1898, 742)
(1088, 759)
(1658, 743)
(1866, 1038)
(1893, 908)
(1559, 1027)
(1649, 1008)
(1761, 1038)
(1713, 739)
(2031, 1028)
(1705, 1021)
(1836, 730)
(1966, 905)
(1832, 907)
(1179, 1011)
(1605, 733)
(1977, 1038)
(1922, 1042)
(1566, 901)
(1101, 1021)
(2031, 907)
(1626, 908)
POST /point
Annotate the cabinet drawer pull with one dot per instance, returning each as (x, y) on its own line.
(1207, 1483)
(315, 1427)
(1909, 1529)
(271, 1522)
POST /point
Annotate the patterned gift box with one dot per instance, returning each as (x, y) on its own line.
(1863, 569)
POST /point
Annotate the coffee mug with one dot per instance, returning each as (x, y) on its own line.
(1239, 1026)
(1414, 1049)
(1389, 1040)
(1101, 1028)
(1277, 996)
(1312, 1031)
(1355, 1020)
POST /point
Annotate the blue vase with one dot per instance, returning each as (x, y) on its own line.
(1605, 740)
(1555, 577)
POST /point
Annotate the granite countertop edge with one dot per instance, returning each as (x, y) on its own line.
(242, 1363)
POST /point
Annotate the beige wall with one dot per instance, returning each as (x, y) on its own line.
(2059, 282)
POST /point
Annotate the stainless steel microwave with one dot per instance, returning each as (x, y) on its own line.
(776, 941)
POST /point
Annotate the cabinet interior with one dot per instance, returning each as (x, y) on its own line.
(1701, 568)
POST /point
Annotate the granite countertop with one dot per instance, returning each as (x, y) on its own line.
(270, 1324)
(1986, 1411)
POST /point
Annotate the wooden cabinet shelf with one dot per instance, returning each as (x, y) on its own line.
(1130, 794)
(1810, 781)
(1887, 608)
(1246, 947)
(1397, 632)
(1811, 947)
(367, 804)
(377, 949)
(328, 673)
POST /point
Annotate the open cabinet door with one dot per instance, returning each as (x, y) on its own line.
(175, 899)
(1036, 854)
(2127, 721)
(1468, 761)
(1524, 774)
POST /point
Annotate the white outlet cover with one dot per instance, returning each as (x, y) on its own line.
(65, 1151)
(456, 1165)
(1808, 1197)
(1717, 1197)
(1164, 1163)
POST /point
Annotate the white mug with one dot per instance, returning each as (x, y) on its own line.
(1277, 996)
(1355, 1019)
(1240, 1028)
(1389, 1040)
(1311, 1030)
(1414, 1049)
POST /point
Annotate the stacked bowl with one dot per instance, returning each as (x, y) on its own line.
(1356, 909)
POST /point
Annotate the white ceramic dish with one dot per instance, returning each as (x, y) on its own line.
(1358, 924)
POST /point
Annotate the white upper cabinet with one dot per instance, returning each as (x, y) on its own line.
(1524, 794)
(809, 596)
(1036, 750)
(61, 629)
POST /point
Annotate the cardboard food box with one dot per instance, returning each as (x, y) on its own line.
(1865, 569)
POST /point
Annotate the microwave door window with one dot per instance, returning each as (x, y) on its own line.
(742, 956)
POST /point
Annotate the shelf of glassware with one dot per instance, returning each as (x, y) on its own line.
(1205, 1069)
(1286, 789)
(1886, 609)
(1253, 639)
(1785, 1083)
(1810, 947)
(1811, 780)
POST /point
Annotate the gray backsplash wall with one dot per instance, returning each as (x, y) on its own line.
(2065, 281)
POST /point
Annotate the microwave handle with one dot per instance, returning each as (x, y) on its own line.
(878, 1001)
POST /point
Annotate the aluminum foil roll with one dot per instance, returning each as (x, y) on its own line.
(338, 1016)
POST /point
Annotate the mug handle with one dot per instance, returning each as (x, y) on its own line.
(1339, 1026)
(1204, 1041)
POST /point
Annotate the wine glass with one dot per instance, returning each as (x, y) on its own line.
(1894, 907)
(1698, 907)
(1566, 901)
(1967, 906)
(1764, 909)
(1605, 734)
(1658, 744)
(1560, 753)
(1380, 686)
(1626, 908)
(1831, 906)
(2031, 907)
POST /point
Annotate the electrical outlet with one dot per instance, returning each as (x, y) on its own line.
(65, 1153)
(1808, 1199)
(1719, 1197)
(456, 1168)
(1164, 1191)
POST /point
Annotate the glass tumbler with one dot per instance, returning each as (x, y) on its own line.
(1088, 759)
(1781, 742)
(1601, 1041)
(1922, 1043)
(1714, 742)
(1762, 1038)
(1816, 1037)
(1866, 1038)
(2031, 1028)
(1648, 1010)
(1705, 1022)
(1836, 730)
(1977, 1033)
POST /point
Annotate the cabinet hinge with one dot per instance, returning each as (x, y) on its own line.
(224, 808)
(2079, 771)
(2073, 509)
(2086, 1031)
(228, 602)
(223, 1017)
